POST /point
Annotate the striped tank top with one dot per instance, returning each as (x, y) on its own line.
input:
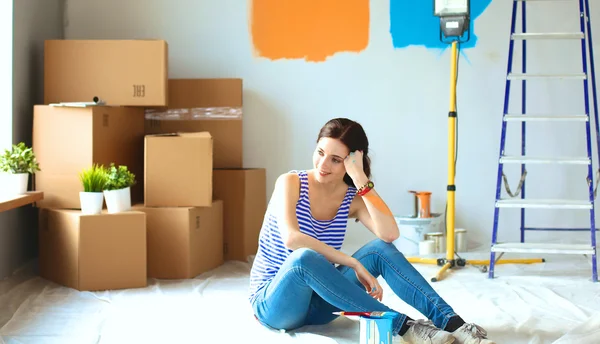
(271, 250)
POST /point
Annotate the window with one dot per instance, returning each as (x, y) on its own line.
(6, 73)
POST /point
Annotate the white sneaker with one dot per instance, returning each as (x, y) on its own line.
(471, 334)
(424, 332)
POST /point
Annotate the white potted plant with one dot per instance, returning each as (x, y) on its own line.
(117, 190)
(92, 197)
(17, 164)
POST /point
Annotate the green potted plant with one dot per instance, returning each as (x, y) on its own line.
(117, 190)
(17, 164)
(92, 197)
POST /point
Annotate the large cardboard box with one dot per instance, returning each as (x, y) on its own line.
(183, 242)
(244, 195)
(178, 170)
(67, 140)
(213, 105)
(93, 252)
(118, 72)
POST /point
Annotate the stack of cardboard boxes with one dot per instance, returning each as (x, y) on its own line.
(195, 205)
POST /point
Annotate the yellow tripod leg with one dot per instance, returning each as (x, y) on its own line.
(507, 261)
(432, 261)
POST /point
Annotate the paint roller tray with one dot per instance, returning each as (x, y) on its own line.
(417, 221)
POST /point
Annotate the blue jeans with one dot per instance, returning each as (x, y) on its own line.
(308, 288)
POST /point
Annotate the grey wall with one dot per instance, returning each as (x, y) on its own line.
(34, 21)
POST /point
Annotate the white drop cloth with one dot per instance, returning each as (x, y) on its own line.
(553, 302)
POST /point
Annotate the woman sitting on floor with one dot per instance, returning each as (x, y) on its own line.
(294, 280)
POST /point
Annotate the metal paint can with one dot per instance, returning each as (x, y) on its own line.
(460, 240)
(439, 241)
(422, 203)
(377, 329)
(426, 247)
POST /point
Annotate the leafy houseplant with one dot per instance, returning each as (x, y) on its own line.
(117, 190)
(17, 164)
(92, 197)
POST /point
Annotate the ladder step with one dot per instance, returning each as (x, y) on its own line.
(545, 160)
(559, 229)
(543, 203)
(523, 76)
(545, 118)
(548, 35)
(543, 248)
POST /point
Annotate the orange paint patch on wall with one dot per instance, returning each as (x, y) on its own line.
(310, 29)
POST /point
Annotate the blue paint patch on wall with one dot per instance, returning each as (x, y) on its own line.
(412, 23)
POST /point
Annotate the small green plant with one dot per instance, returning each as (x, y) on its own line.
(94, 178)
(20, 159)
(118, 177)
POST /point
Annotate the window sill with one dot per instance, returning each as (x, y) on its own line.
(12, 202)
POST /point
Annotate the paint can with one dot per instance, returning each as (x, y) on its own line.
(422, 204)
(460, 239)
(426, 247)
(377, 328)
(413, 231)
(438, 240)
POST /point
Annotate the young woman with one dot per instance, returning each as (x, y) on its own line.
(294, 279)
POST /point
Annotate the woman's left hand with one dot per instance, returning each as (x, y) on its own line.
(368, 281)
(354, 166)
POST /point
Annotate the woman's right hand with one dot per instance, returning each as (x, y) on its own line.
(366, 279)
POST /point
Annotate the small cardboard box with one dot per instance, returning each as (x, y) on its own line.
(178, 169)
(183, 242)
(67, 140)
(93, 252)
(212, 105)
(244, 195)
(118, 72)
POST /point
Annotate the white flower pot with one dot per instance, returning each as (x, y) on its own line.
(14, 183)
(118, 200)
(91, 202)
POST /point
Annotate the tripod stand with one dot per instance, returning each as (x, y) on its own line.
(450, 261)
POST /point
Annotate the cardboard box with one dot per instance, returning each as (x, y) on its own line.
(183, 242)
(196, 105)
(119, 72)
(67, 140)
(93, 252)
(178, 170)
(244, 195)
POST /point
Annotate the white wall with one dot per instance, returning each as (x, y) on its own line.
(400, 96)
(34, 21)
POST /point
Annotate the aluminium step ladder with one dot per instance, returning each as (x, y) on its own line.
(585, 36)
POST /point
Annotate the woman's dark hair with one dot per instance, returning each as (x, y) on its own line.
(353, 136)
